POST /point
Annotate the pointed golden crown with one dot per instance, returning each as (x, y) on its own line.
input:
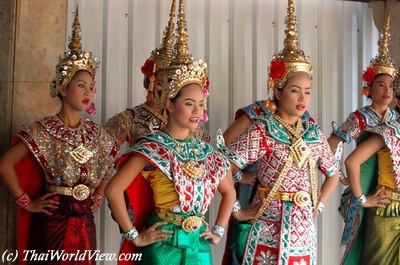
(164, 55)
(291, 59)
(73, 60)
(382, 63)
(186, 70)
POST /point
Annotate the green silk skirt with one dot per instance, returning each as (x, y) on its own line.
(382, 240)
(182, 249)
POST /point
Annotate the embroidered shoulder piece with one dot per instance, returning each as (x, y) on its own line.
(276, 130)
(159, 147)
(256, 109)
(372, 120)
(239, 161)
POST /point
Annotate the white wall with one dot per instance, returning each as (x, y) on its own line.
(237, 38)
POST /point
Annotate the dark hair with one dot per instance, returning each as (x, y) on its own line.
(146, 82)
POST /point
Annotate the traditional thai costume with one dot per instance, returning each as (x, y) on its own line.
(184, 174)
(180, 198)
(353, 130)
(69, 162)
(145, 119)
(245, 192)
(381, 225)
(286, 158)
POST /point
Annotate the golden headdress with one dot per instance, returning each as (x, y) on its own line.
(291, 59)
(160, 59)
(381, 63)
(186, 69)
(396, 85)
(73, 60)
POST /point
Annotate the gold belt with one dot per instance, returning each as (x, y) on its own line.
(188, 224)
(79, 192)
(300, 198)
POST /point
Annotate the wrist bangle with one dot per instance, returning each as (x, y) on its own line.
(236, 207)
(361, 200)
(218, 230)
(23, 200)
(238, 176)
(321, 207)
(131, 234)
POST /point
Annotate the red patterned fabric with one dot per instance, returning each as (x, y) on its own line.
(30, 178)
(139, 197)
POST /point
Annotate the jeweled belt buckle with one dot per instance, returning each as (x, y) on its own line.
(302, 198)
(191, 223)
(80, 192)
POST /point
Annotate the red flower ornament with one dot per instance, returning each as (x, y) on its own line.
(147, 68)
(277, 69)
(369, 75)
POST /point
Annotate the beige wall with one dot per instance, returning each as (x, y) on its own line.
(394, 6)
(32, 36)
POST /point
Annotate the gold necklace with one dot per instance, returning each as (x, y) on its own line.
(382, 118)
(80, 154)
(155, 113)
(296, 133)
(298, 148)
(190, 168)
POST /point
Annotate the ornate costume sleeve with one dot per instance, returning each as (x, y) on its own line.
(350, 129)
(120, 126)
(250, 145)
(327, 162)
(111, 154)
(390, 133)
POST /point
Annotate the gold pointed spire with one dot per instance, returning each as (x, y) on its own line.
(384, 40)
(291, 59)
(73, 60)
(164, 55)
(75, 42)
(185, 70)
(290, 41)
(182, 56)
(382, 63)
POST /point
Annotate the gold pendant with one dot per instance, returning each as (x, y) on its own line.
(192, 170)
(300, 152)
(81, 154)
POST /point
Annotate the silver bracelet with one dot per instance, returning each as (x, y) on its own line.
(361, 200)
(320, 207)
(131, 234)
(236, 207)
(218, 230)
(238, 176)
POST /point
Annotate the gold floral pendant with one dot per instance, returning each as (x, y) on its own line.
(300, 152)
(81, 154)
(192, 170)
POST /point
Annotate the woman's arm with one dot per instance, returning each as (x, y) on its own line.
(9, 175)
(116, 187)
(327, 188)
(115, 195)
(333, 142)
(7, 167)
(362, 153)
(236, 128)
(230, 135)
(228, 194)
